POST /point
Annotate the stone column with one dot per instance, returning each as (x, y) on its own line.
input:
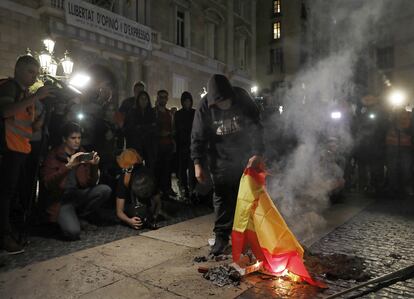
(253, 40)
(230, 34)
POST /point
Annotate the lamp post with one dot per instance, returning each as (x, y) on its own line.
(49, 63)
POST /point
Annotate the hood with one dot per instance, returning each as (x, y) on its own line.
(186, 95)
(219, 89)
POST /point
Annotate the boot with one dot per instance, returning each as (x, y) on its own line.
(220, 244)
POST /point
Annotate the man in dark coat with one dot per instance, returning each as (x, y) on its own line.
(227, 131)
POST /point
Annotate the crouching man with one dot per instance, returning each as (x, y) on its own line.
(138, 200)
(70, 176)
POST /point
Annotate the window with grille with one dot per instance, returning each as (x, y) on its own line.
(276, 60)
(276, 30)
(385, 58)
(276, 7)
(180, 28)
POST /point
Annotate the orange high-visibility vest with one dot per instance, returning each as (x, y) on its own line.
(19, 130)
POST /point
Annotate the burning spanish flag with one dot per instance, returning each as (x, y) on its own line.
(259, 224)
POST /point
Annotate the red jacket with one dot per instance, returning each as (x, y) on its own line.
(54, 174)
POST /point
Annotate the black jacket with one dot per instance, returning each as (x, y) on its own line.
(227, 137)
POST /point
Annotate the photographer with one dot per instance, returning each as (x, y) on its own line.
(70, 176)
(138, 201)
(18, 121)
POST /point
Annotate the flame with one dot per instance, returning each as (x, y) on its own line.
(282, 271)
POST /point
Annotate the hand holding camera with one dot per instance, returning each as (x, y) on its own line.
(82, 157)
(74, 160)
(135, 222)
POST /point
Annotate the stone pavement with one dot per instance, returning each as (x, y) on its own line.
(159, 264)
(46, 241)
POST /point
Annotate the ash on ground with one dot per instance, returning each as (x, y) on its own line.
(336, 266)
(200, 259)
(223, 275)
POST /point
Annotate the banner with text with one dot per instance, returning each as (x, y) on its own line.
(102, 21)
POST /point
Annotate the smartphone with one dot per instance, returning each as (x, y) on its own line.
(86, 157)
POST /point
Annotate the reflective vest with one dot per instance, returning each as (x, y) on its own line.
(19, 129)
(400, 134)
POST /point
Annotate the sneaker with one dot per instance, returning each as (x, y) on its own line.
(11, 246)
(220, 245)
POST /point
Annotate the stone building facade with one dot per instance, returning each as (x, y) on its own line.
(296, 34)
(190, 41)
(281, 44)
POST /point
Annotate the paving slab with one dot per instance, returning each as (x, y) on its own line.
(193, 233)
(63, 277)
(129, 288)
(131, 255)
(180, 276)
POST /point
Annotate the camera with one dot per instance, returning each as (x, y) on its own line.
(86, 157)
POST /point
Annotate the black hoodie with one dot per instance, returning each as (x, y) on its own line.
(227, 137)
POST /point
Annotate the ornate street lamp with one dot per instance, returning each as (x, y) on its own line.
(49, 63)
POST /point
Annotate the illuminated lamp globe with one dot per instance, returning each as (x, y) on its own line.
(45, 59)
(49, 44)
(52, 67)
(67, 64)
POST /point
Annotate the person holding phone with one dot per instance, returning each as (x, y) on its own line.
(70, 176)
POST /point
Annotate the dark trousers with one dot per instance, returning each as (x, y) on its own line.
(80, 202)
(226, 188)
(187, 181)
(163, 166)
(12, 174)
(399, 163)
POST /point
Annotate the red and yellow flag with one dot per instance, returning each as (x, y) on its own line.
(258, 223)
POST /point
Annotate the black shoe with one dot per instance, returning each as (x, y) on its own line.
(11, 246)
(219, 245)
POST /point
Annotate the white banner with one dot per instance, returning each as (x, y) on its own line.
(102, 21)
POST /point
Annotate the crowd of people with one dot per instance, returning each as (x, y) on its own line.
(89, 154)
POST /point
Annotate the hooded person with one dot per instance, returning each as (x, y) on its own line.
(227, 137)
(183, 122)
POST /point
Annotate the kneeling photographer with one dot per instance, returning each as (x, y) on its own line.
(70, 176)
(138, 200)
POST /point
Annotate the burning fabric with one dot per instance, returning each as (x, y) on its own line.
(223, 275)
(258, 224)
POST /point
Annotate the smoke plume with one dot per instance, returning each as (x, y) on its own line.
(308, 174)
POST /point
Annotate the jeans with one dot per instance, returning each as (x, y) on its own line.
(226, 188)
(80, 202)
(12, 174)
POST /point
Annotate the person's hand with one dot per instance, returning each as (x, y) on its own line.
(256, 162)
(200, 173)
(135, 222)
(73, 161)
(95, 159)
(45, 92)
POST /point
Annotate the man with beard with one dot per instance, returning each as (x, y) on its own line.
(227, 131)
